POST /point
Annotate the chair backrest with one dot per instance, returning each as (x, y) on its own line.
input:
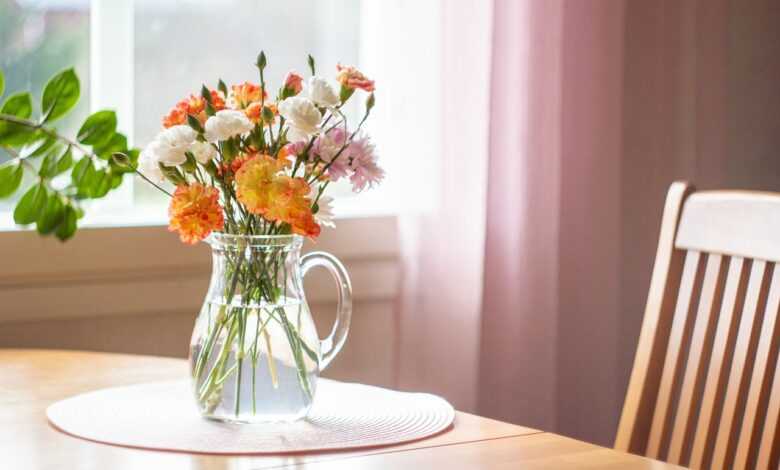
(705, 388)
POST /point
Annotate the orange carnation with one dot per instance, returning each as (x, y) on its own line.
(195, 212)
(195, 106)
(264, 191)
(246, 94)
(255, 112)
(177, 115)
(352, 78)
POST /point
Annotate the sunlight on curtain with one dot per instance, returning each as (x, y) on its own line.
(436, 71)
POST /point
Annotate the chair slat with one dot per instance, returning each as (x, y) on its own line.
(635, 420)
(759, 383)
(770, 437)
(682, 314)
(711, 293)
(737, 382)
(725, 332)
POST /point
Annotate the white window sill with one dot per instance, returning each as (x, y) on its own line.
(154, 215)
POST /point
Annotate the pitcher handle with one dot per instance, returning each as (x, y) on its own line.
(331, 345)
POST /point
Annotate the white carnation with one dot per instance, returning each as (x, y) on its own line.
(324, 215)
(169, 145)
(319, 90)
(303, 118)
(148, 164)
(226, 124)
(203, 151)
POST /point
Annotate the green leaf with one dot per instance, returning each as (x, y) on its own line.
(190, 164)
(345, 93)
(222, 87)
(205, 94)
(48, 165)
(194, 123)
(117, 143)
(172, 174)
(82, 174)
(98, 128)
(10, 178)
(52, 215)
(64, 163)
(56, 163)
(116, 180)
(310, 60)
(60, 95)
(101, 184)
(133, 154)
(18, 105)
(30, 206)
(38, 147)
(267, 114)
(230, 149)
(67, 227)
(2, 83)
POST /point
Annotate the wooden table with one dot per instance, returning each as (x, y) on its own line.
(30, 380)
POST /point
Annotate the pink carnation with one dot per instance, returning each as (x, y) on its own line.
(327, 146)
(358, 161)
(366, 172)
(295, 148)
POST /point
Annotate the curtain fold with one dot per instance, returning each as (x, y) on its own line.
(442, 236)
(519, 309)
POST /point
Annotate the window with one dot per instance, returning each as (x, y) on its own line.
(140, 57)
(37, 40)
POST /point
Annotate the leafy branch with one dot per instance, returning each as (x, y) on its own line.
(52, 201)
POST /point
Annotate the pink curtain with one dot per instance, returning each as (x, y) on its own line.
(524, 286)
(443, 242)
(518, 330)
(549, 319)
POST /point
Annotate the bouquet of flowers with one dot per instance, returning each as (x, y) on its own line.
(245, 163)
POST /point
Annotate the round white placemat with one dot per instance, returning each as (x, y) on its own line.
(163, 416)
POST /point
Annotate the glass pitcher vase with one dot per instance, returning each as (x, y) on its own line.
(255, 355)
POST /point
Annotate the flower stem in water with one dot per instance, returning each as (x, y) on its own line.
(271, 364)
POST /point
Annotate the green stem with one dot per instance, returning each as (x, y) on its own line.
(240, 355)
(296, 347)
(34, 125)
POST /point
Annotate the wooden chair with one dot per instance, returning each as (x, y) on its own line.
(705, 388)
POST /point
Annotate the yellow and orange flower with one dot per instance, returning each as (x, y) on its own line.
(255, 112)
(246, 94)
(265, 191)
(195, 106)
(195, 212)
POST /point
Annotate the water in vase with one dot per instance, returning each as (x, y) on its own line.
(255, 362)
